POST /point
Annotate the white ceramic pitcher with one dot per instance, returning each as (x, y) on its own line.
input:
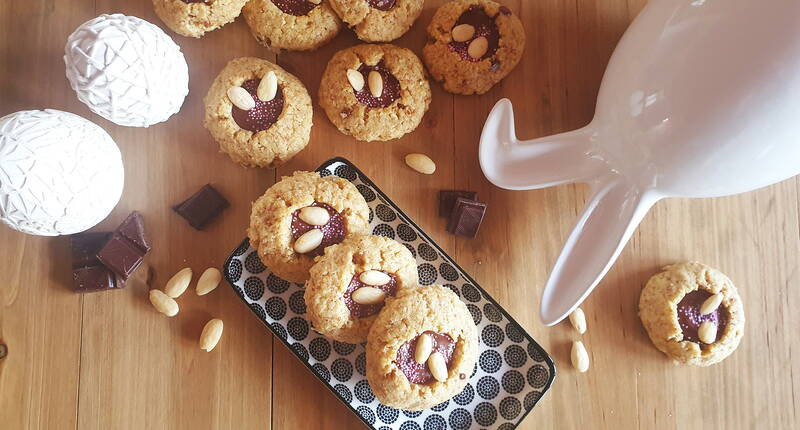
(701, 98)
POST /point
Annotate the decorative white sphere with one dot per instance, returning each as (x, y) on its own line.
(59, 173)
(126, 70)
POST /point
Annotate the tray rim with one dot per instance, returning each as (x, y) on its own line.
(547, 358)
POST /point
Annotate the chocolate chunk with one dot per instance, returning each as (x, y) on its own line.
(295, 7)
(133, 230)
(85, 247)
(95, 278)
(466, 217)
(384, 5)
(88, 273)
(447, 198)
(121, 256)
(202, 207)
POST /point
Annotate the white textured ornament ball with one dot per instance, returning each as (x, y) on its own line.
(59, 173)
(126, 70)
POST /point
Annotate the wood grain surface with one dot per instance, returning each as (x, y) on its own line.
(108, 361)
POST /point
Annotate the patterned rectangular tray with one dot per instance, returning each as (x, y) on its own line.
(512, 373)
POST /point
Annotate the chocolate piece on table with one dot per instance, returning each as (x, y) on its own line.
(126, 248)
(133, 230)
(466, 217)
(85, 247)
(447, 198)
(202, 206)
(88, 273)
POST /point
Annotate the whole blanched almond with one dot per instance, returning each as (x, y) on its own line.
(478, 47)
(437, 366)
(208, 281)
(707, 332)
(578, 320)
(421, 163)
(374, 278)
(309, 241)
(241, 98)
(368, 296)
(164, 303)
(268, 87)
(178, 283)
(579, 357)
(463, 32)
(711, 304)
(315, 1)
(423, 349)
(375, 83)
(314, 215)
(356, 79)
(211, 334)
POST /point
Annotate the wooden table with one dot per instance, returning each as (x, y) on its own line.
(108, 361)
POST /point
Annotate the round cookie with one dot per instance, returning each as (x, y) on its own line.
(488, 45)
(392, 370)
(276, 225)
(670, 305)
(295, 25)
(194, 18)
(334, 307)
(272, 132)
(404, 92)
(378, 20)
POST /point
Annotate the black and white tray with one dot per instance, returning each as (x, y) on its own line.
(513, 371)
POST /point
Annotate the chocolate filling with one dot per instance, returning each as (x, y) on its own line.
(391, 87)
(333, 231)
(418, 373)
(689, 317)
(295, 7)
(263, 115)
(360, 311)
(383, 5)
(484, 26)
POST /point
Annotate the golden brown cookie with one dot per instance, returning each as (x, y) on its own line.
(472, 45)
(378, 20)
(301, 215)
(349, 283)
(270, 133)
(421, 349)
(679, 313)
(294, 25)
(375, 92)
(194, 18)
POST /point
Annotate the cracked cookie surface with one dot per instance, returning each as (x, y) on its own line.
(196, 18)
(378, 20)
(294, 25)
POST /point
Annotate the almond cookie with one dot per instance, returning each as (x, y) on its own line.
(375, 92)
(194, 18)
(294, 25)
(350, 282)
(421, 349)
(258, 113)
(472, 45)
(692, 313)
(378, 20)
(301, 215)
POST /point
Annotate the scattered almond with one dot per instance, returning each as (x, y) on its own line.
(268, 87)
(241, 98)
(368, 296)
(437, 366)
(308, 242)
(163, 303)
(463, 32)
(356, 79)
(374, 278)
(579, 356)
(212, 332)
(707, 332)
(421, 163)
(578, 320)
(711, 304)
(423, 349)
(178, 283)
(208, 281)
(375, 83)
(478, 47)
(314, 215)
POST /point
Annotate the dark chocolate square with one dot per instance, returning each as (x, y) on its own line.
(133, 230)
(95, 278)
(85, 246)
(447, 198)
(466, 217)
(202, 207)
(121, 256)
